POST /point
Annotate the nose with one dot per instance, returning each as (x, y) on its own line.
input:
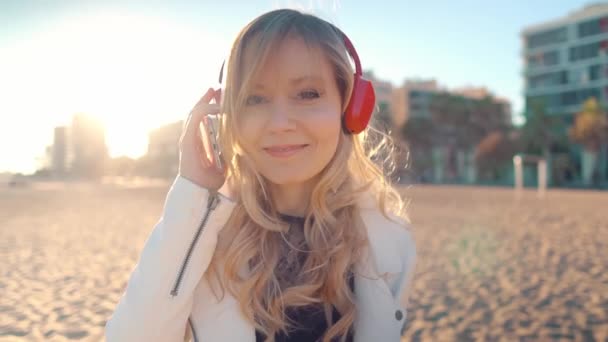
(280, 119)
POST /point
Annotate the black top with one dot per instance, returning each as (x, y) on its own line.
(308, 322)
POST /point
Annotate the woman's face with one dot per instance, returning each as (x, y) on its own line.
(291, 122)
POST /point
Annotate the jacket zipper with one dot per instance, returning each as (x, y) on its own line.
(211, 205)
(194, 336)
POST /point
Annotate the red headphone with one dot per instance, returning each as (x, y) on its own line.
(362, 100)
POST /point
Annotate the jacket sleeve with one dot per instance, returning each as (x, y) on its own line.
(409, 267)
(159, 295)
(409, 262)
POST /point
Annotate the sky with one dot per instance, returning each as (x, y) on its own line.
(136, 65)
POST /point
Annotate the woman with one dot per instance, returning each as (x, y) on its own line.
(300, 237)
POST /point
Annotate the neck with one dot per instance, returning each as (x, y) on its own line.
(292, 199)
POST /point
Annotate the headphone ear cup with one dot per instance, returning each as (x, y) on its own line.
(361, 105)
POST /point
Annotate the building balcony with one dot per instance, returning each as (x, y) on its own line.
(564, 110)
(572, 42)
(565, 87)
(567, 65)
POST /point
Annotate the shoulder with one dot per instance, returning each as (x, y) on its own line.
(391, 240)
(383, 226)
(391, 228)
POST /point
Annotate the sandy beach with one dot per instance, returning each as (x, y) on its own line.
(492, 266)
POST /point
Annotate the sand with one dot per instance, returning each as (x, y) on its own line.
(491, 266)
(67, 254)
(494, 266)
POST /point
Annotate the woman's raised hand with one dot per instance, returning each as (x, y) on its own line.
(194, 162)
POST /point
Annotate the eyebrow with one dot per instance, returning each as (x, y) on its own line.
(303, 79)
(296, 81)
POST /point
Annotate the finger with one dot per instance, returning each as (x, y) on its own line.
(191, 130)
(207, 97)
(205, 109)
(203, 101)
(199, 152)
(202, 151)
(197, 113)
(205, 161)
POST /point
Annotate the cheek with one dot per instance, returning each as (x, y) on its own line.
(326, 130)
(250, 127)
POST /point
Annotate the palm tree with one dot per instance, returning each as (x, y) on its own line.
(542, 133)
(541, 130)
(590, 130)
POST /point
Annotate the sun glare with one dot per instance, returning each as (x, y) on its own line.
(133, 72)
(140, 73)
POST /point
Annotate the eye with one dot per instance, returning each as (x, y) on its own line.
(309, 94)
(254, 100)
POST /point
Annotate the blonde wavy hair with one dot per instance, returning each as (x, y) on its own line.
(248, 247)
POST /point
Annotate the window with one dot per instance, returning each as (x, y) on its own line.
(551, 58)
(548, 37)
(588, 93)
(552, 101)
(548, 79)
(584, 51)
(593, 27)
(563, 77)
(544, 59)
(569, 98)
(594, 72)
(577, 97)
(535, 60)
(578, 75)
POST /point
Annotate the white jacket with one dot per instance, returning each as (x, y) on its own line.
(167, 293)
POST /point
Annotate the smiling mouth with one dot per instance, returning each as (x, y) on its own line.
(284, 151)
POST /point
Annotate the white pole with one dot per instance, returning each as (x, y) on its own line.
(542, 177)
(519, 176)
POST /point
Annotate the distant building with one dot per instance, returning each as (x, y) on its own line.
(449, 155)
(566, 61)
(162, 157)
(482, 93)
(89, 149)
(59, 151)
(414, 99)
(78, 150)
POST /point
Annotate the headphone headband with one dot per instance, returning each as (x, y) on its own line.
(221, 76)
(350, 48)
(363, 97)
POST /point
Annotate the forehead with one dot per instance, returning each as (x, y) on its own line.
(289, 58)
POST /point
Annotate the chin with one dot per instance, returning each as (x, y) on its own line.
(288, 177)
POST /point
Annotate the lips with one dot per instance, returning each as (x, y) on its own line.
(284, 151)
(284, 148)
